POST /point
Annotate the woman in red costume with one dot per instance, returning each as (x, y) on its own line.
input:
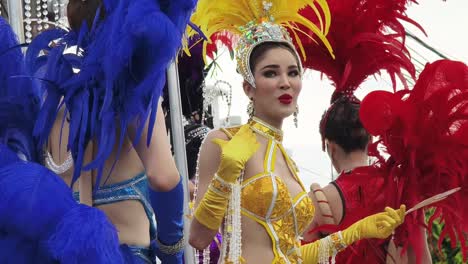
(367, 37)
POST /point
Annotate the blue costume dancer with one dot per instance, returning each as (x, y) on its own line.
(39, 220)
(105, 90)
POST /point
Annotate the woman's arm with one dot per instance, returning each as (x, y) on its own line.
(379, 226)
(157, 158)
(328, 209)
(220, 168)
(209, 160)
(166, 192)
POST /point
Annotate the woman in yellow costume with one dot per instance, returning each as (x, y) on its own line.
(247, 183)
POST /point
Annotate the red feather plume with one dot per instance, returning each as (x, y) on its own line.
(425, 131)
(218, 39)
(367, 37)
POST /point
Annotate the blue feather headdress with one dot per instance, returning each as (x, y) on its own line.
(19, 98)
(114, 78)
(40, 220)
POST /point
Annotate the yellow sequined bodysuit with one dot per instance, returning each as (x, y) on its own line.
(266, 199)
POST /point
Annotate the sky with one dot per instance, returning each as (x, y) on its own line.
(446, 26)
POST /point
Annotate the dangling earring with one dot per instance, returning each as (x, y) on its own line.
(250, 109)
(295, 116)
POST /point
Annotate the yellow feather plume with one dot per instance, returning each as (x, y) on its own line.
(216, 16)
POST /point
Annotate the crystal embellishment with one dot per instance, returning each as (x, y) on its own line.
(254, 34)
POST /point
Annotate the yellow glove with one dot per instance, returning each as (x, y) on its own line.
(210, 212)
(234, 155)
(379, 225)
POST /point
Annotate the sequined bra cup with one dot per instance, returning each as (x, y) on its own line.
(266, 199)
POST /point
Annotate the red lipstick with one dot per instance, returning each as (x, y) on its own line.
(285, 99)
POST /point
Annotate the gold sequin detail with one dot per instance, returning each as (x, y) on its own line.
(289, 217)
(220, 186)
(257, 197)
(266, 130)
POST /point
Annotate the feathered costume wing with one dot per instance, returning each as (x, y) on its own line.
(425, 132)
(39, 219)
(367, 37)
(121, 69)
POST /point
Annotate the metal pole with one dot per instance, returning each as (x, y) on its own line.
(15, 14)
(178, 139)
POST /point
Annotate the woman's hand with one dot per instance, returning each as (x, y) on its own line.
(235, 153)
(379, 225)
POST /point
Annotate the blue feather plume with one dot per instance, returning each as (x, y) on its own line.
(7, 156)
(122, 65)
(11, 58)
(38, 211)
(40, 221)
(19, 250)
(19, 97)
(94, 242)
(33, 199)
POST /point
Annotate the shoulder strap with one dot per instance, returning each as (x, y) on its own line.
(230, 131)
(270, 156)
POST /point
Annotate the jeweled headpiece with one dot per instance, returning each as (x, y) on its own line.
(245, 24)
(368, 37)
(254, 35)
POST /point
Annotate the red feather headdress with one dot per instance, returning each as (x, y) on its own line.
(425, 132)
(367, 37)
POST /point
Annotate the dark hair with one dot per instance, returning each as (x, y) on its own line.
(341, 124)
(259, 51)
(79, 11)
